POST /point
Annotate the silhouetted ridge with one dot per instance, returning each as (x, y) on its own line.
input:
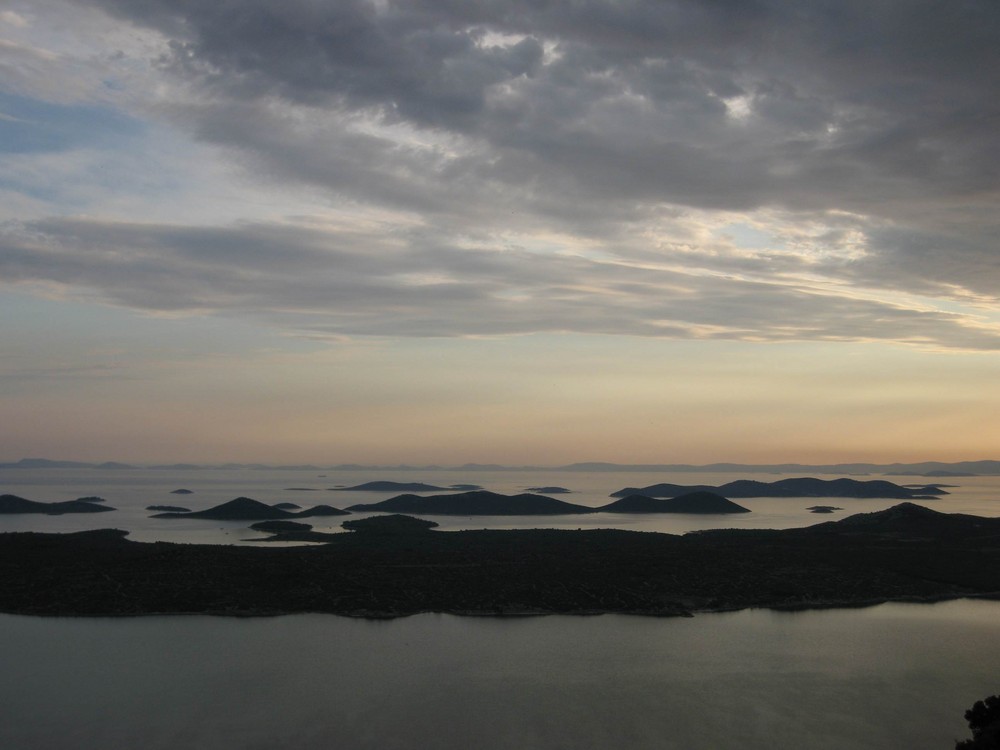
(913, 520)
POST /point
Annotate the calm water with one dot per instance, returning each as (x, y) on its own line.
(894, 676)
(130, 491)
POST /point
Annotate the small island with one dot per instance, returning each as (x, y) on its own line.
(169, 508)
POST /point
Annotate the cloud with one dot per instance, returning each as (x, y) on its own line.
(529, 167)
(344, 281)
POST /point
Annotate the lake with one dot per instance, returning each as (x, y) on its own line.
(892, 676)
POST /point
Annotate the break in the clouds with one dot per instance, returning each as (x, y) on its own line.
(761, 171)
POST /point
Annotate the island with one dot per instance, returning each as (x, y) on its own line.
(248, 509)
(483, 503)
(800, 487)
(693, 502)
(390, 487)
(549, 490)
(182, 491)
(477, 503)
(905, 553)
(169, 508)
(12, 504)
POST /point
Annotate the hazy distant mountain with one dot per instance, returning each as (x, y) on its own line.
(924, 468)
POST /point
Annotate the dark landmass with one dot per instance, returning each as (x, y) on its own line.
(248, 509)
(182, 491)
(394, 524)
(169, 508)
(693, 502)
(823, 508)
(548, 490)
(397, 526)
(478, 503)
(11, 504)
(91, 499)
(391, 487)
(802, 487)
(906, 553)
(321, 510)
(287, 506)
(276, 527)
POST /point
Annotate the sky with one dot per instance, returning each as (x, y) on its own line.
(437, 231)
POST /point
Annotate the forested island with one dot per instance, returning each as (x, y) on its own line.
(391, 567)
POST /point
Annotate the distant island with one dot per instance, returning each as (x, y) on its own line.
(967, 468)
(385, 486)
(905, 553)
(801, 487)
(248, 509)
(12, 504)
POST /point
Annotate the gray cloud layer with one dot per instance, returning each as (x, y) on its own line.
(616, 124)
(362, 287)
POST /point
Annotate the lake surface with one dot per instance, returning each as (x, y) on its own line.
(893, 676)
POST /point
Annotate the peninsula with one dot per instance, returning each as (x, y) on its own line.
(907, 552)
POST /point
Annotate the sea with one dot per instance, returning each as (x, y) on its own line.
(891, 676)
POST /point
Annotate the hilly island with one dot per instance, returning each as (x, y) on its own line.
(390, 567)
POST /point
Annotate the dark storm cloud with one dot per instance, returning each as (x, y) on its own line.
(315, 283)
(850, 105)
